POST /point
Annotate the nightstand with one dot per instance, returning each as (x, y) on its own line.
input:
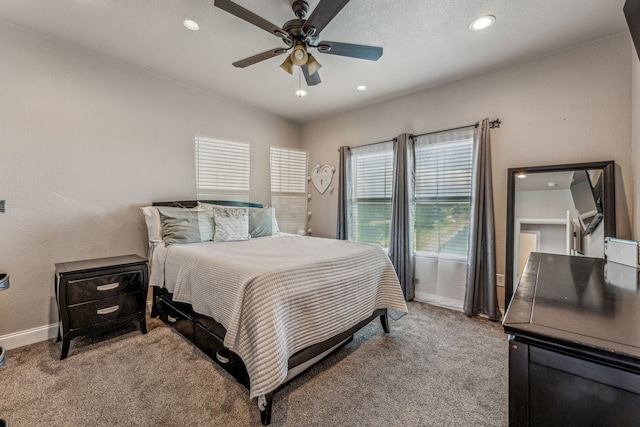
(100, 294)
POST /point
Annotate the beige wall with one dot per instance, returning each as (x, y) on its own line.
(84, 142)
(573, 106)
(87, 140)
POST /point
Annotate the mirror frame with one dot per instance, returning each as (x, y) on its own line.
(608, 208)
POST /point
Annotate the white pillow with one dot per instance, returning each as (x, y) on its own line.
(274, 223)
(152, 219)
(231, 223)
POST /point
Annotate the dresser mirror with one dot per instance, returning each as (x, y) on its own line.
(562, 209)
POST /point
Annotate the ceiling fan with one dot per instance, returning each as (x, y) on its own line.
(299, 35)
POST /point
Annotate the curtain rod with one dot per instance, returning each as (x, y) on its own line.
(492, 125)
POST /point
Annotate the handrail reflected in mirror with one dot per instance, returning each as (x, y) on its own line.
(563, 209)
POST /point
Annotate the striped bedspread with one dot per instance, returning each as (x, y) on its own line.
(278, 295)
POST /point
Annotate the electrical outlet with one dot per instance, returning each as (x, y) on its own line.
(500, 280)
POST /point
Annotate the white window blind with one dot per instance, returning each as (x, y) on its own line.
(289, 188)
(222, 169)
(444, 163)
(371, 185)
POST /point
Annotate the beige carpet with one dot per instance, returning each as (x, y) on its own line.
(436, 368)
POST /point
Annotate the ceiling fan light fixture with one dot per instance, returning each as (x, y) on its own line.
(299, 55)
(312, 65)
(287, 65)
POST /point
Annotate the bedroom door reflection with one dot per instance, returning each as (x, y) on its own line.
(529, 242)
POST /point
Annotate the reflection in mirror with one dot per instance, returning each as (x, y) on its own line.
(559, 209)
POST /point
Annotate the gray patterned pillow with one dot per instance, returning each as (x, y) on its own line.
(231, 224)
(181, 225)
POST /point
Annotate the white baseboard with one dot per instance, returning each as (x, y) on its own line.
(440, 301)
(30, 336)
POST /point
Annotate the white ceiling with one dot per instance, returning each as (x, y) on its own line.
(426, 43)
(538, 181)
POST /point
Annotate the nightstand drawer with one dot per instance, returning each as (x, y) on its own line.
(105, 286)
(104, 309)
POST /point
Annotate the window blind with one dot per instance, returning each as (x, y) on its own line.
(289, 188)
(222, 169)
(372, 179)
(443, 185)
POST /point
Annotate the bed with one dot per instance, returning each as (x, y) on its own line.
(266, 309)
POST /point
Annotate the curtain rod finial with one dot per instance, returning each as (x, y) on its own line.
(495, 124)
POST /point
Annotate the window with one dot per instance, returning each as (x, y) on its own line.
(222, 169)
(443, 170)
(289, 188)
(371, 185)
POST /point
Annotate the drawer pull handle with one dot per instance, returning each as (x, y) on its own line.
(108, 310)
(221, 356)
(108, 286)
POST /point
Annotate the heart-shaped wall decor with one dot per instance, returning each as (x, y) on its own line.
(321, 177)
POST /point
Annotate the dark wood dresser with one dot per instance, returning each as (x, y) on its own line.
(574, 343)
(100, 294)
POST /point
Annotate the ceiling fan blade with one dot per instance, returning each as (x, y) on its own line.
(312, 79)
(259, 57)
(370, 53)
(250, 17)
(324, 12)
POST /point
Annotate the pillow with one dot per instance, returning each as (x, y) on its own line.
(231, 224)
(152, 219)
(262, 222)
(180, 225)
(274, 224)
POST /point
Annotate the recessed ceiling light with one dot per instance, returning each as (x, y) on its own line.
(191, 25)
(482, 22)
(300, 93)
(361, 88)
(552, 184)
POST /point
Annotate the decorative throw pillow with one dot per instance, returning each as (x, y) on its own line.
(231, 224)
(262, 222)
(181, 225)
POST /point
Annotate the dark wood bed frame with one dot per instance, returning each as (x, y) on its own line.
(208, 335)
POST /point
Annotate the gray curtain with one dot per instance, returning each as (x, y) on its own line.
(401, 243)
(481, 293)
(342, 231)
